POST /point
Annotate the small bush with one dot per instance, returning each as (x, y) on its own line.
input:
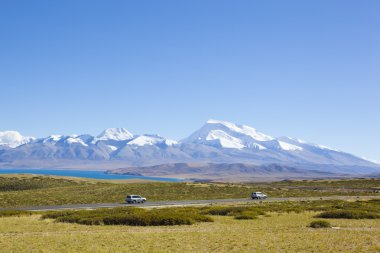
(233, 211)
(81, 220)
(247, 215)
(348, 214)
(201, 218)
(9, 213)
(55, 215)
(224, 211)
(244, 217)
(320, 224)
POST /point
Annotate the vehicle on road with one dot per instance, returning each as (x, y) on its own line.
(133, 199)
(258, 195)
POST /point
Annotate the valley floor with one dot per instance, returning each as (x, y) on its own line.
(277, 233)
(35, 190)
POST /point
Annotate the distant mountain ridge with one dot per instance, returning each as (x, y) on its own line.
(223, 171)
(216, 142)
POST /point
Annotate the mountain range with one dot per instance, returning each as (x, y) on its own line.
(216, 142)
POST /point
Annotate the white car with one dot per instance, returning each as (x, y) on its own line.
(133, 199)
(258, 195)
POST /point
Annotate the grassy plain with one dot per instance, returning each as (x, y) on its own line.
(284, 232)
(26, 190)
(254, 227)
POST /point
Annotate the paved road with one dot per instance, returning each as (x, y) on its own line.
(183, 203)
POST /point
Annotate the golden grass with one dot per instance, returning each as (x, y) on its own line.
(278, 233)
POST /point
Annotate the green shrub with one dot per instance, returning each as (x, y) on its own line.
(349, 214)
(244, 217)
(8, 213)
(81, 220)
(320, 224)
(56, 214)
(131, 216)
(224, 211)
(149, 219)
(201, 218)
(233, 210)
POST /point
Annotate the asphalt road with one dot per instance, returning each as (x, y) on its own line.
(151, 204)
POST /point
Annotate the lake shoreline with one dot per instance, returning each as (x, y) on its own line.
(91, 174)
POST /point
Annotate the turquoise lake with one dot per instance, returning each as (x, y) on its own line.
(83, 174)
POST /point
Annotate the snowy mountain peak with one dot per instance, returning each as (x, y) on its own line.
(52, 138)
(241, 129)
(70, 139)
(228, 135)
(13, 139)
(75, 139)
(150, 140)
(116, 134)
(227, 124)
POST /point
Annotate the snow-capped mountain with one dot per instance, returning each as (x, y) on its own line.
(224, 134)
(215, 142)
(13, 139)
(151, 140)
(248, 144)
(228, 135)
(66, 140)
(115, 134)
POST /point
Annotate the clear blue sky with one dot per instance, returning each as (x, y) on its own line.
(307, 69)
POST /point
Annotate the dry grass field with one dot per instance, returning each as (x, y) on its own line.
(34, 190)
(287, 232)
(271, 227)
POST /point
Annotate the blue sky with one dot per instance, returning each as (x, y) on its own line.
(307, 69)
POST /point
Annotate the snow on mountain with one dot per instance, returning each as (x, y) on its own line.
(216, 141)
(112, 148)
(13, 139)
(288, 146)
(61, 139)
(225, 140)
(169, 142)
(302, 142)
(52, 138)
(150, 140)
(256, 146)
(115, 134)
(228, 135)
(371, 160)
(241, 129)
(75, 139)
